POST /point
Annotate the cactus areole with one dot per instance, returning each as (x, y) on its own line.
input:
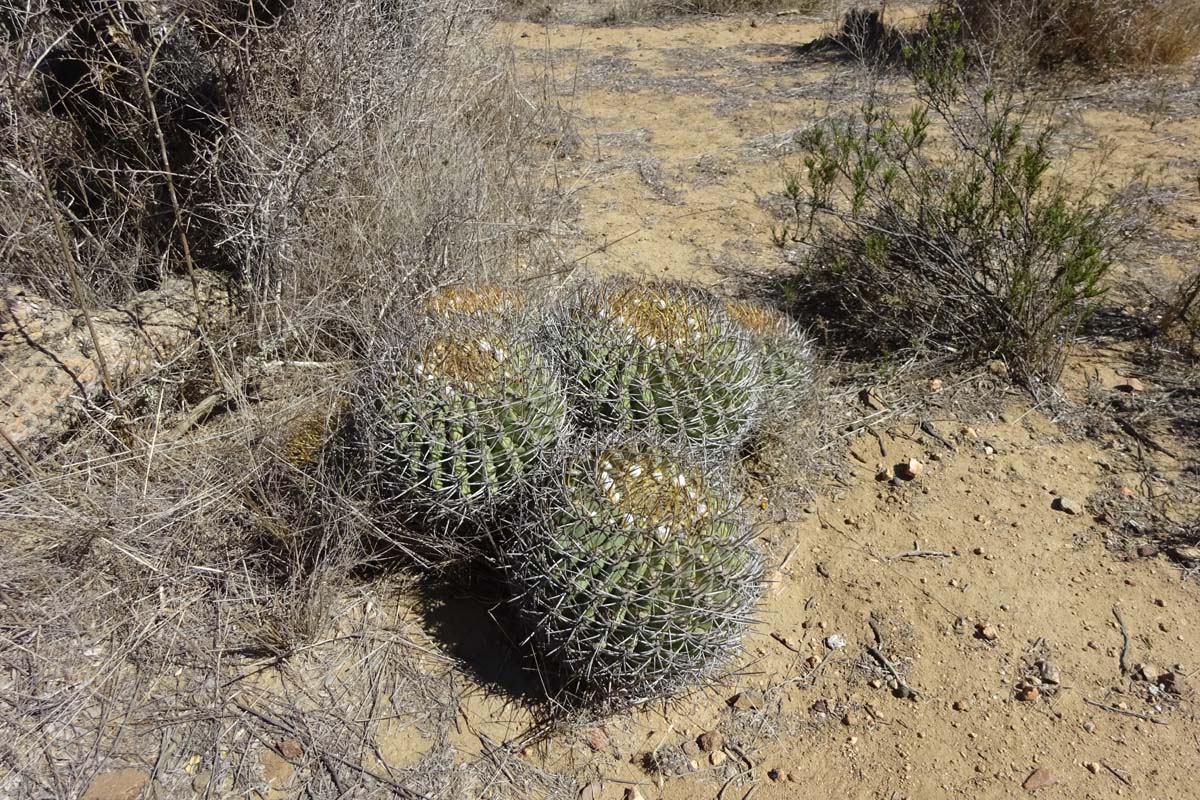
(636, 576)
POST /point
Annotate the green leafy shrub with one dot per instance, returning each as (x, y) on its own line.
(635, 575)
(945, 228)
(659, 359)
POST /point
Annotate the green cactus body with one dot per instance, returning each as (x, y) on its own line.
(659, 359)
(465, 418)
(785, 350)
(637, 576)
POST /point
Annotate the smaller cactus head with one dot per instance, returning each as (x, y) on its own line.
(460, 299)
(465, 414)
(786, 352)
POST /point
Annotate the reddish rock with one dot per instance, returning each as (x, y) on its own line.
(291, 749)
(711, 741)
(1040, 778)
(596, 738)
(121, 784)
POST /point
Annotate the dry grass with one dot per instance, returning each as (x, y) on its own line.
(1116, 33)
(627, 11)
(183, 583)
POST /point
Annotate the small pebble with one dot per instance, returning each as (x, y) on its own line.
(988, 633)
(1067, 505)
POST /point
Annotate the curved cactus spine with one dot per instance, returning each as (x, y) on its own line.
(658, 359)
(785, 350)
(463, 418)
(637, 575)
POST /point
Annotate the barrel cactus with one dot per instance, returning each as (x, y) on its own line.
(463, 418)
(658, 359)
(637, 575)
(785, 350)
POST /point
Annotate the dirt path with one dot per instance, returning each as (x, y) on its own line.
(683, 131)
(1009, 637)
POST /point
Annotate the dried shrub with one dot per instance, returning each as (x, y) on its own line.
(1091, 32)
(624, 11)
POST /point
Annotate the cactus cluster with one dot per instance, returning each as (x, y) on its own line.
(637, 575)
(464, 418)
(626, 556)
(660, 360)
(785, 351)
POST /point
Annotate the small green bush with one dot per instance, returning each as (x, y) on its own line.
(945, 229)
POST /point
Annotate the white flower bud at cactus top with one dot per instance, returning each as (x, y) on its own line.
(659, 359)
(786, 352)
(638, 590)
(467, 415)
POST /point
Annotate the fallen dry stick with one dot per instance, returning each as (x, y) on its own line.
(1125, 712)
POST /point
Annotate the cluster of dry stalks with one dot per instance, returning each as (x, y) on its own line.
(1117, 33)
(182, 588)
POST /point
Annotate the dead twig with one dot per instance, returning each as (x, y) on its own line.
(1142, 438)
(902, 687)
(917, 552)
(750, 766)
(788, 558)
(198, 413)
(1126, 712)
(1124, 660)
(1117, 774)
(783, 641)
